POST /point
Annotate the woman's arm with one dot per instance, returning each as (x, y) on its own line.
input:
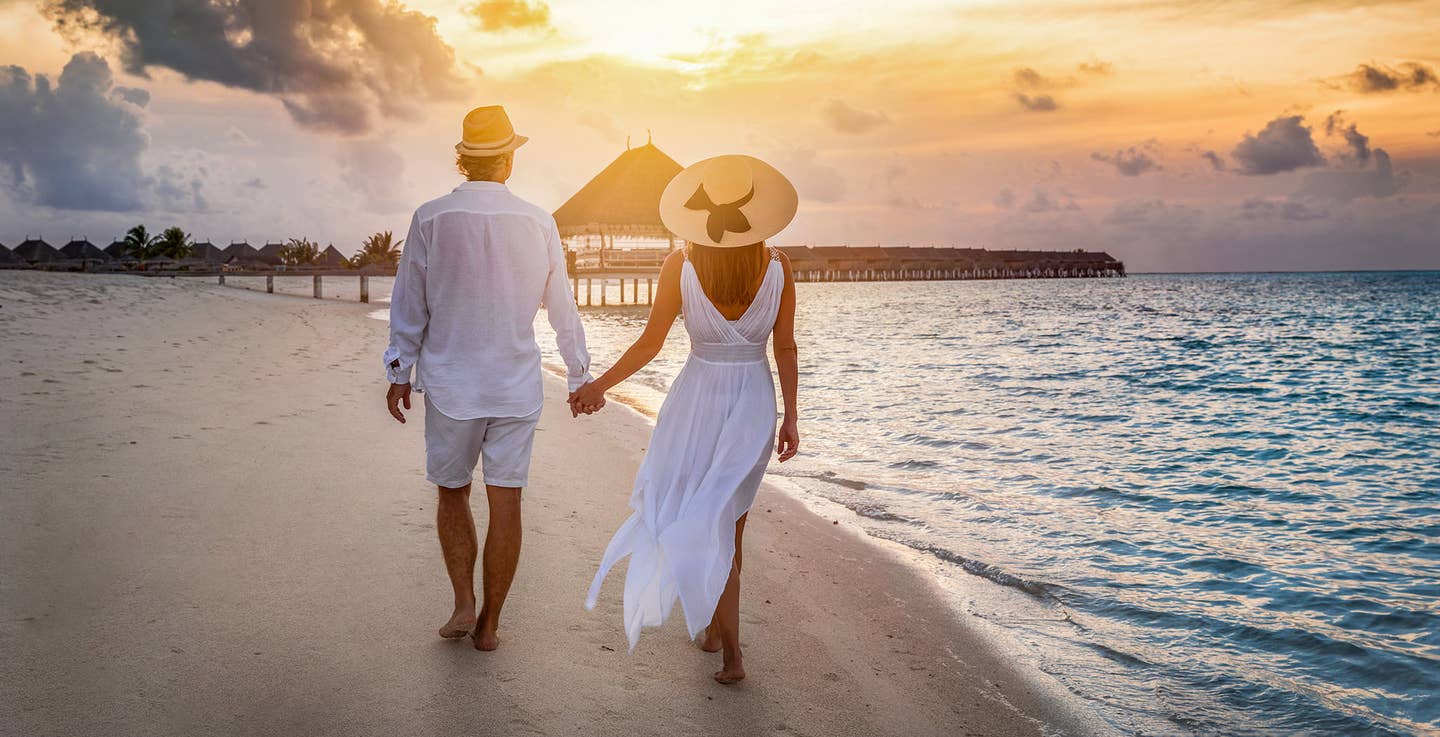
(647, 346)
(787, 363)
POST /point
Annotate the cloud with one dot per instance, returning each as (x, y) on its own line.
(1217, 162)
(238, 137)
(1026, 78)
(1434, 134)
(75, 146)
(1027, 82)
(1129, 162)
(1284, 144)
(176, 192)
(1358, 143)
(1378, 79)
(600, 123)
(813, 180)
(511, 15)
(374, 170)
(1259, 208)
(1042, 201)
(1036, 103)
(336, 65)
(133, 95)
(1153, 213)
(1005, 198)
(1346, 185)
(846, 119)
(255, 183)
(1097, 68)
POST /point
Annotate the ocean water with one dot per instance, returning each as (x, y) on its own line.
(1212, 501)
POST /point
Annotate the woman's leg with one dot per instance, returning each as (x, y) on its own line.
(726, 622)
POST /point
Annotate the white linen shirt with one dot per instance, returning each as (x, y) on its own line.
(478, 264)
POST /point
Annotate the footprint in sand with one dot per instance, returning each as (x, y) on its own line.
(261, 422)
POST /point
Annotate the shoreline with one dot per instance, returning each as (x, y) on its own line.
(186, 494)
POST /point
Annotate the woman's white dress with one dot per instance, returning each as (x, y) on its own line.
(711, 444)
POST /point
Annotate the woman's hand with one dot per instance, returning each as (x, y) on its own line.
(788, 441)
(588, 399)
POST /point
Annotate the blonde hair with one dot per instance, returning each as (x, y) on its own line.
(482, 168)
(729, 276)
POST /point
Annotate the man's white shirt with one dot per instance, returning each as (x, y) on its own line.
(477, 265)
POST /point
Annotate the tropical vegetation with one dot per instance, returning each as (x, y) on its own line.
(174, 243)
(379, 250)
(299, 252)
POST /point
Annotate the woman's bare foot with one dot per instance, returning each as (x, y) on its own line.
(733, 673)
(460, 624)
(709, 640)
(485, 636)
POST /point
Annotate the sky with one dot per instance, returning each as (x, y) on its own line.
(1175, 135)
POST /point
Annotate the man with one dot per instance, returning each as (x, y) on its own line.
(478, 264)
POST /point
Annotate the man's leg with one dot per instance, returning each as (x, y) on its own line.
(456, 527)
(502, 553)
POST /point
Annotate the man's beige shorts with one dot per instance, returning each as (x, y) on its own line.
(453, 447)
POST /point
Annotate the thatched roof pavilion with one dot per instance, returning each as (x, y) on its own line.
(270, 253)
(84, 250)
(331, 258)
(117, 248)
(622, 200)
(240, 253)
(9, 260)
(206, 252)
(37, 251)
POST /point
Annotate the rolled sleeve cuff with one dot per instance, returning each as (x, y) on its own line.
(578, 381)
(398, 375)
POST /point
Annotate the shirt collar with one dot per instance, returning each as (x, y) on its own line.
(482, 187)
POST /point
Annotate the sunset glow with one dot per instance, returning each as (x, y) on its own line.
(1120, 126)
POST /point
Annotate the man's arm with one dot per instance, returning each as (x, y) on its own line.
(564, 316)
(409, 315)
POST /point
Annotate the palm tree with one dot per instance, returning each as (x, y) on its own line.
(299, 251)
(173, 243)
(138, 242)
(378, 250)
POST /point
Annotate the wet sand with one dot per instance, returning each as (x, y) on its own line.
(208, 524)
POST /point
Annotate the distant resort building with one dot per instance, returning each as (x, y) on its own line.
(331, 258)
(36, 251)
(611, 228)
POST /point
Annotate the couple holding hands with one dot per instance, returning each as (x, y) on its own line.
(478, 264)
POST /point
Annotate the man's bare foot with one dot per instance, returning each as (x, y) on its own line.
(460, 624)
(709, 640)
(732, 672)
(484, 635)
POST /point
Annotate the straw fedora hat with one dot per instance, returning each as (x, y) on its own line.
(728, 201)
(487, 132)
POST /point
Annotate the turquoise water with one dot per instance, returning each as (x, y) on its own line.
(1219, 495)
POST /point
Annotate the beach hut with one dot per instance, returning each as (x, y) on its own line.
(37, 251)
(205, 252)
(241, 255)
(8, 259)
(331, 258)
(83, 250)
(270, 254)
(159, 263)
(622, 200)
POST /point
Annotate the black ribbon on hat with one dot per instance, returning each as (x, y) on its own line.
(722, 218)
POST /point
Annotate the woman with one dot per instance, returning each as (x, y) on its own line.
(716, 429)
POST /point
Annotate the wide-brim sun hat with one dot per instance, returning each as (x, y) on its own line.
(487, 132)
(728, 201)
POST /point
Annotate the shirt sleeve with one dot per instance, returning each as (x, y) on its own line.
(409, 313)
(564, 317)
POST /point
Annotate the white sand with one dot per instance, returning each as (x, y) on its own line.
(209, 525)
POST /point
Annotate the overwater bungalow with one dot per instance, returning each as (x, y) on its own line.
(37, 251)
(205, 253)
(270, 254)
(331, 258)
(81, 249)
(8, 259)
(241, 255)
(622, 201)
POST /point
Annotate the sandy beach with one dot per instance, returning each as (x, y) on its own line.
(209, 525)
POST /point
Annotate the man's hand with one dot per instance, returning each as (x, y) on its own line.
(587, 400)
(398, 393)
